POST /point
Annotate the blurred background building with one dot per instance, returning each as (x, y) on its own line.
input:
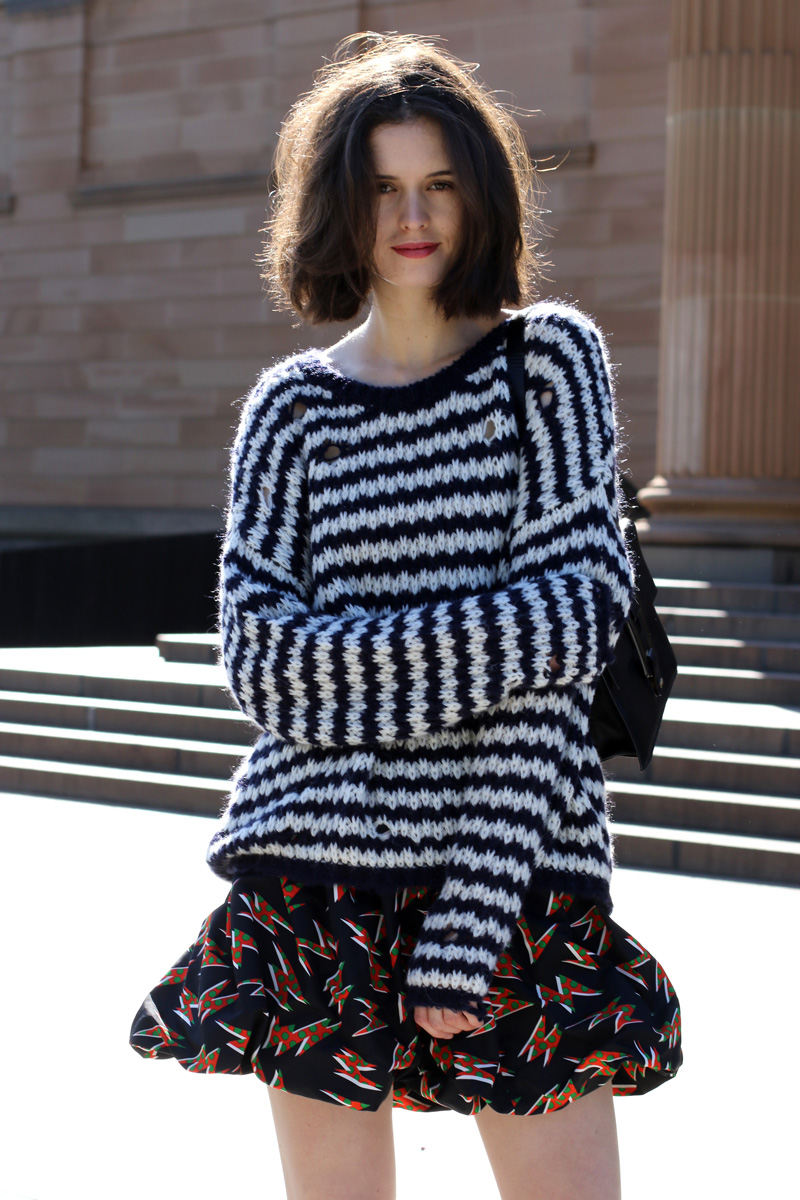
(136, 139)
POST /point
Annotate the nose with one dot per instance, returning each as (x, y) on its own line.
(414, 214)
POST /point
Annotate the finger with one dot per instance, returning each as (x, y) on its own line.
(430, 1020)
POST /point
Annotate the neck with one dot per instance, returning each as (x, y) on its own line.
(405, 337)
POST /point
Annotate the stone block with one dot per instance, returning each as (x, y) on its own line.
(126, 432)
(140, 51)
(223, 251)
(49, 148)
(165, 78)
(50, 31)
(639, 49)
(53, 89)
(644, 224)
(638, 362)
(629, 121)
(106, 145)
(618, 19)
(221, 311)
(200, 492)
(217, 433)
(635, 326)
(188, 223)
(41, 120)
(235, 281)
(15, 461)
(208, 72)
(114, 376)
(586, 191)
(631, 156)
(124, 315)
(211, 373)
(42, 208)
(580, 229)
(318, 28)
(48, 263)
(68, 432)
(46, 64)
(117, 258)
(244, 341)
(617, 88)
(143, 491)
(27, 489)
(238, 132)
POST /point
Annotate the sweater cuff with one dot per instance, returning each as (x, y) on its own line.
(418, 997)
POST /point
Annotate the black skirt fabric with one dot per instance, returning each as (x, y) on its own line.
(304, 986)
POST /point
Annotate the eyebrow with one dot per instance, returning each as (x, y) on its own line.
(431, 175)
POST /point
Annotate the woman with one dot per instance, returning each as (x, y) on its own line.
(417, 600)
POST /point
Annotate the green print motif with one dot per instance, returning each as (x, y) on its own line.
(304, 987)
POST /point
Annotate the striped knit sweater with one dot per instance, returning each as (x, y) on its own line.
(416, 603)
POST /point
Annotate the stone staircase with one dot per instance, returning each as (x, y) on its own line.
(153, 726)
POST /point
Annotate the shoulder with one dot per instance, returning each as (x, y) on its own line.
(566, 335)
(277, 390)
(557, 315)
(285, 377)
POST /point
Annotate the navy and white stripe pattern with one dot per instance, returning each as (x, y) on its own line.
(416, 604)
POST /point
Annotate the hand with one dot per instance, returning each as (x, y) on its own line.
(444, 1022)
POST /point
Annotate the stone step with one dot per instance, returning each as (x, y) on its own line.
(705, 809)
(723, 683)
(721, 623)
(186, 684)
(736, 653)
(739, 597)
(699, 724)
(727, 856)
(677, 766)
(126, 716)
(189, 647)
(769, 729)
(109, 785)
(121, 750)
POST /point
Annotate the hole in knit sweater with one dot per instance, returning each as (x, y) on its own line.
(298, 408)
(266, 492)
(450, 935)
(490, 430)
(332, 452)
(546, 397)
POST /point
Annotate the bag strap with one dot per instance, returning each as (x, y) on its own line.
(515, 353)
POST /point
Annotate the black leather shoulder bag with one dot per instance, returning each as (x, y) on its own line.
(632, 691)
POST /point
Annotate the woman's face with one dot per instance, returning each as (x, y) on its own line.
(419, 213)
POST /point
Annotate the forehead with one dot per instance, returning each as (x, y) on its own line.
(419, 142)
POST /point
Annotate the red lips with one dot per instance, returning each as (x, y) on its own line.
(416, 249)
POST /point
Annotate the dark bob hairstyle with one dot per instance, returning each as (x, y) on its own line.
(318, 253)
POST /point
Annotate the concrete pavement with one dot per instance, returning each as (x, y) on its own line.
(105, 898)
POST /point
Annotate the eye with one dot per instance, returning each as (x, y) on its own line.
(442, 185)
(384, 189)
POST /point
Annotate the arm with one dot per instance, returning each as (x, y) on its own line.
(567, 522)
(348, 680)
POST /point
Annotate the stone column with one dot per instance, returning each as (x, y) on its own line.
(729, 394)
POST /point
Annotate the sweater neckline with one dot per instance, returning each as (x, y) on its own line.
(420, 391)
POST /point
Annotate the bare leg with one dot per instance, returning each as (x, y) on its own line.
(570, 1154)
(330, 1152)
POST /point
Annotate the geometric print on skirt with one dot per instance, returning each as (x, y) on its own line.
(304, 986)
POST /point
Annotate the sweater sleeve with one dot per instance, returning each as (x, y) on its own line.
(567, 523)
(353, 679)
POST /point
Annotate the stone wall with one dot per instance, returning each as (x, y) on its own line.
(135, 144)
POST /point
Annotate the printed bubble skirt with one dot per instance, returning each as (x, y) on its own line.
(304, 986)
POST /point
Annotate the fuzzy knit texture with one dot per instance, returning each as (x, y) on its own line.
(401, 570)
